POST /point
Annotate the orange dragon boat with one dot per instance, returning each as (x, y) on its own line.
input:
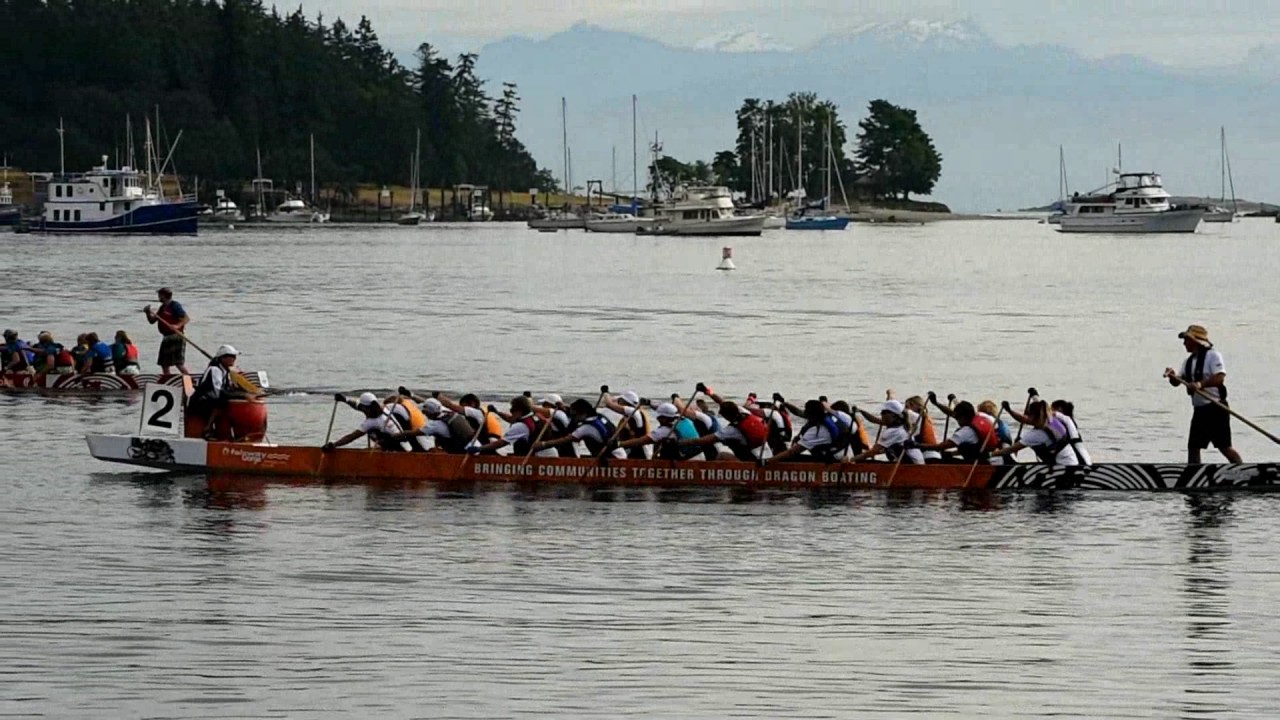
(183, 449)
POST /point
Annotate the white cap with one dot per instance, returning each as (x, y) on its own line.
(224, 351)
(667, 410)
(630, 398)
(551, 399)
(894, 407)
(432, 407)
(367, 399)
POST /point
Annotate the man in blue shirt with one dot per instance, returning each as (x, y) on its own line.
(98, 359)
(17, 353)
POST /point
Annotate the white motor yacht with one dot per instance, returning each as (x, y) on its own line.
(707, 210)
(1136, 203)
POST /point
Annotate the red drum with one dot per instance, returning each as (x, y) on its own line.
(246, 418)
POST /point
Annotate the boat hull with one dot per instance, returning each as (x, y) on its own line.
(747, 226)
(99, 383)
(630, 226)
(177, 218)
(10, 216)
(1171, 221)
(372, 466)
(573, 223)
(817, 223)
(1225, 216)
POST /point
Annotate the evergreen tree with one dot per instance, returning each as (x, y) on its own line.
(237, 78)
(895, 153)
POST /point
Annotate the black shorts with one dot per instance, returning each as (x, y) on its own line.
(173, 351)
(1210, 425)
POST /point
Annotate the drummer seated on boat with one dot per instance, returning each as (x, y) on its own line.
(214, 391)
(743, 434)
(819, 440)
(378, 425)
(18, 357)
(595, 431)
(895, 441)
(1045, 435)
(521, 435)
(98, 358)
(668, 436)
(973, 441)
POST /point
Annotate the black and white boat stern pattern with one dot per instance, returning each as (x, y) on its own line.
(1132, 476)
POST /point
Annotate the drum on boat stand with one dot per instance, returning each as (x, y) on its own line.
(244, 420)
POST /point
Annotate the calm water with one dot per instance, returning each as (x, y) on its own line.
(129, 594)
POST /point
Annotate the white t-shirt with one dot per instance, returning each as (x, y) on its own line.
(519, 431)
(661, 432)
(892, 436)
(1212, 366)
(967, 436)
(729, 433)
(381, 424)
(1074, 432)
(475, 415)
(438, 428)
(559, 421)
(637, 423)
(844, 418)
(816, 436)
(1037, 438)
(702, 421)
(587, 431)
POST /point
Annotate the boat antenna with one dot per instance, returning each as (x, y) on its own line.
(62, 150)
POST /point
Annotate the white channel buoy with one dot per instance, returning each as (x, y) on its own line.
(726, 259)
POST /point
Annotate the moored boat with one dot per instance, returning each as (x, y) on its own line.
(298, 462)
(113, 201)
(1136, 203)
(97, 383)
(617, 223)
(705, 210)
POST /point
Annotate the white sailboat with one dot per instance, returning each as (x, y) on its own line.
(1220, 213)
(414, 216)
(295, 209)
(621, 222)
(563, 218)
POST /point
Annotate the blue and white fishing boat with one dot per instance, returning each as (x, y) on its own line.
(113, 201)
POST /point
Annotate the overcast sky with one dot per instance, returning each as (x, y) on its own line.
(1185, 33)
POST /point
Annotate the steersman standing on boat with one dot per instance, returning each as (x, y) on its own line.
(1204, 375)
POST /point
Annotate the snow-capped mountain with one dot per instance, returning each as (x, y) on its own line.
(741, 41)
(912, 34)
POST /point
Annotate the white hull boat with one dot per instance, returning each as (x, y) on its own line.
(704, 211)
(1136, 203)
(564, 221)
(618, 223)
(1219, 215)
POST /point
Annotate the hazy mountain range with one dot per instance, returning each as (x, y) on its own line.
(997, 113)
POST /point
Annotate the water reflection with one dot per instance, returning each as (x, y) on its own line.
(1206, 592)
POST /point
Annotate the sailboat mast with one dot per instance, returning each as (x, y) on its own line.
(313, 168)
(799, 152)
(1062, 174)
(1226, 162)
(1222, 159)
(635, 156)
(62, 150)
(769, 161)
(827, 197)
(564, 140)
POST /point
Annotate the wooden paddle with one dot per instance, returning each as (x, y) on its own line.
(1236, 415)
(329, 433)
(244, 382)
(981, 445)
(1026, 407)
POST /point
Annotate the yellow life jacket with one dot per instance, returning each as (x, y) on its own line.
(417, 420)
